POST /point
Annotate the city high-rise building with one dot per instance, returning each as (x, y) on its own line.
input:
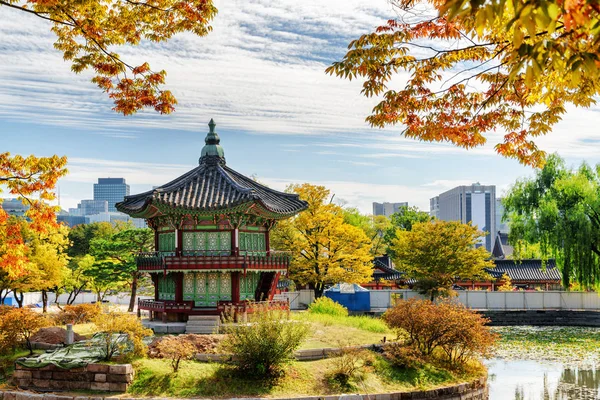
(500, 226)
(91, 207)
(387, 209)
(475, 203)
(112, 190)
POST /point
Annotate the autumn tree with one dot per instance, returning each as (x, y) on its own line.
(88, 31)
(472, 67)
(32, 179)
(558, 211)
(505, 284)
(20, 324)
(118, 253)
(403, 220)
(439, 252)
(325, 249)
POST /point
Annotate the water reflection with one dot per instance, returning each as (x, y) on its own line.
(536, 380)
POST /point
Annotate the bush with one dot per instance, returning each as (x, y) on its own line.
(324, 305)
(112, 324)
(176, 349)
(349, 366)
(18, 325)
(460, 333)
(265, 344)
(78, 314)
(403, 356)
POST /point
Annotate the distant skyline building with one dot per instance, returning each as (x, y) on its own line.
(500, 226)
(14, 207)
(112, 190)
(386, 208)
(475, 203)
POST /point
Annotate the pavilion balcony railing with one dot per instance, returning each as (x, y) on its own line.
(156, 260)
(165, 305)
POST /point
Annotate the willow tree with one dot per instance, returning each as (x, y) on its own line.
(559, 209)
(325, 249)
(468, 67)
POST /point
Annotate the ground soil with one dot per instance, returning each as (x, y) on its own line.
(53, 335)
(204, 343)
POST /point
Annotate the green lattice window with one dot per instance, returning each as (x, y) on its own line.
(166, 287)
(252, 242)
(248, 285)
(207, 242)
(207, 288)
(166, 241)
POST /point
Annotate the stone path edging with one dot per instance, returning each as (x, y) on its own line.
(476, 390)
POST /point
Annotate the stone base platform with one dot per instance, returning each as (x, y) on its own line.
(165, 327)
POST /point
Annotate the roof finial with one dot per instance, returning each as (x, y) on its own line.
(212, 151)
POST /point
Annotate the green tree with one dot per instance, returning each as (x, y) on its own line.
(439, 252)
(559, 210)
(374, 226)
(403, 220)
(325, 249)
(474, 67)
(119, 254)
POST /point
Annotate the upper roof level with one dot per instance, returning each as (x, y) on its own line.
(212, 188)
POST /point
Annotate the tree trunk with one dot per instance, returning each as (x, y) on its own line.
(44, 301)
(134, 284)
(319, 289)
(19, 298)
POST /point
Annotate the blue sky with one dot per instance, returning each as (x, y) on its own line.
(260, 75)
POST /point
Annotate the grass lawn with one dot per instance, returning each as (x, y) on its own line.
(335, 331)
(154, 377)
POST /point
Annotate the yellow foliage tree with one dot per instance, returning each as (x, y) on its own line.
(506, 285)
(325, 249)
(437, 253)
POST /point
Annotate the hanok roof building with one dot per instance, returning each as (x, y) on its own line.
(211, 230)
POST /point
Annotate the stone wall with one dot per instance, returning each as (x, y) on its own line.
(476, 390)
(543, 317)
(98, 377)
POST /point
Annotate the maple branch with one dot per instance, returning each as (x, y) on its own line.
(36, 13)
(137, 3)
(16, 177)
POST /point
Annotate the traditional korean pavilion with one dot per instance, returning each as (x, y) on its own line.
(211, 237)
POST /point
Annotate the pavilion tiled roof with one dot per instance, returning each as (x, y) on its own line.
(529, 270)
(213, 187)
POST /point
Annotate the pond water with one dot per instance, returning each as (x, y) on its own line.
(542, 380)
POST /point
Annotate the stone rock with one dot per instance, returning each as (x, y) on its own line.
(121, 369)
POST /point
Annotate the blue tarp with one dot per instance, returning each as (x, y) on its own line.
(352, 296)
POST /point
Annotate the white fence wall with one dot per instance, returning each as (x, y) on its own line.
(479, 300)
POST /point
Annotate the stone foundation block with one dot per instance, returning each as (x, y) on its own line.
(119, 378)
(99, 368)
(24, 382)
(22, 374)
(100, 386)
(29, 396)
(100, 378)
(120, 369)
(117, 387)
(41, 374)
(41, 383)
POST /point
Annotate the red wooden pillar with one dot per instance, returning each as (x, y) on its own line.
(178, 286)
(156, 240)
(268, 242)
(235, 287)
(178, 241)
(235, 242)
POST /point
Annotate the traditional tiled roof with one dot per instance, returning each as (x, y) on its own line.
(382, 271)
(502, 248)
(530, 270)
(212, 187)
